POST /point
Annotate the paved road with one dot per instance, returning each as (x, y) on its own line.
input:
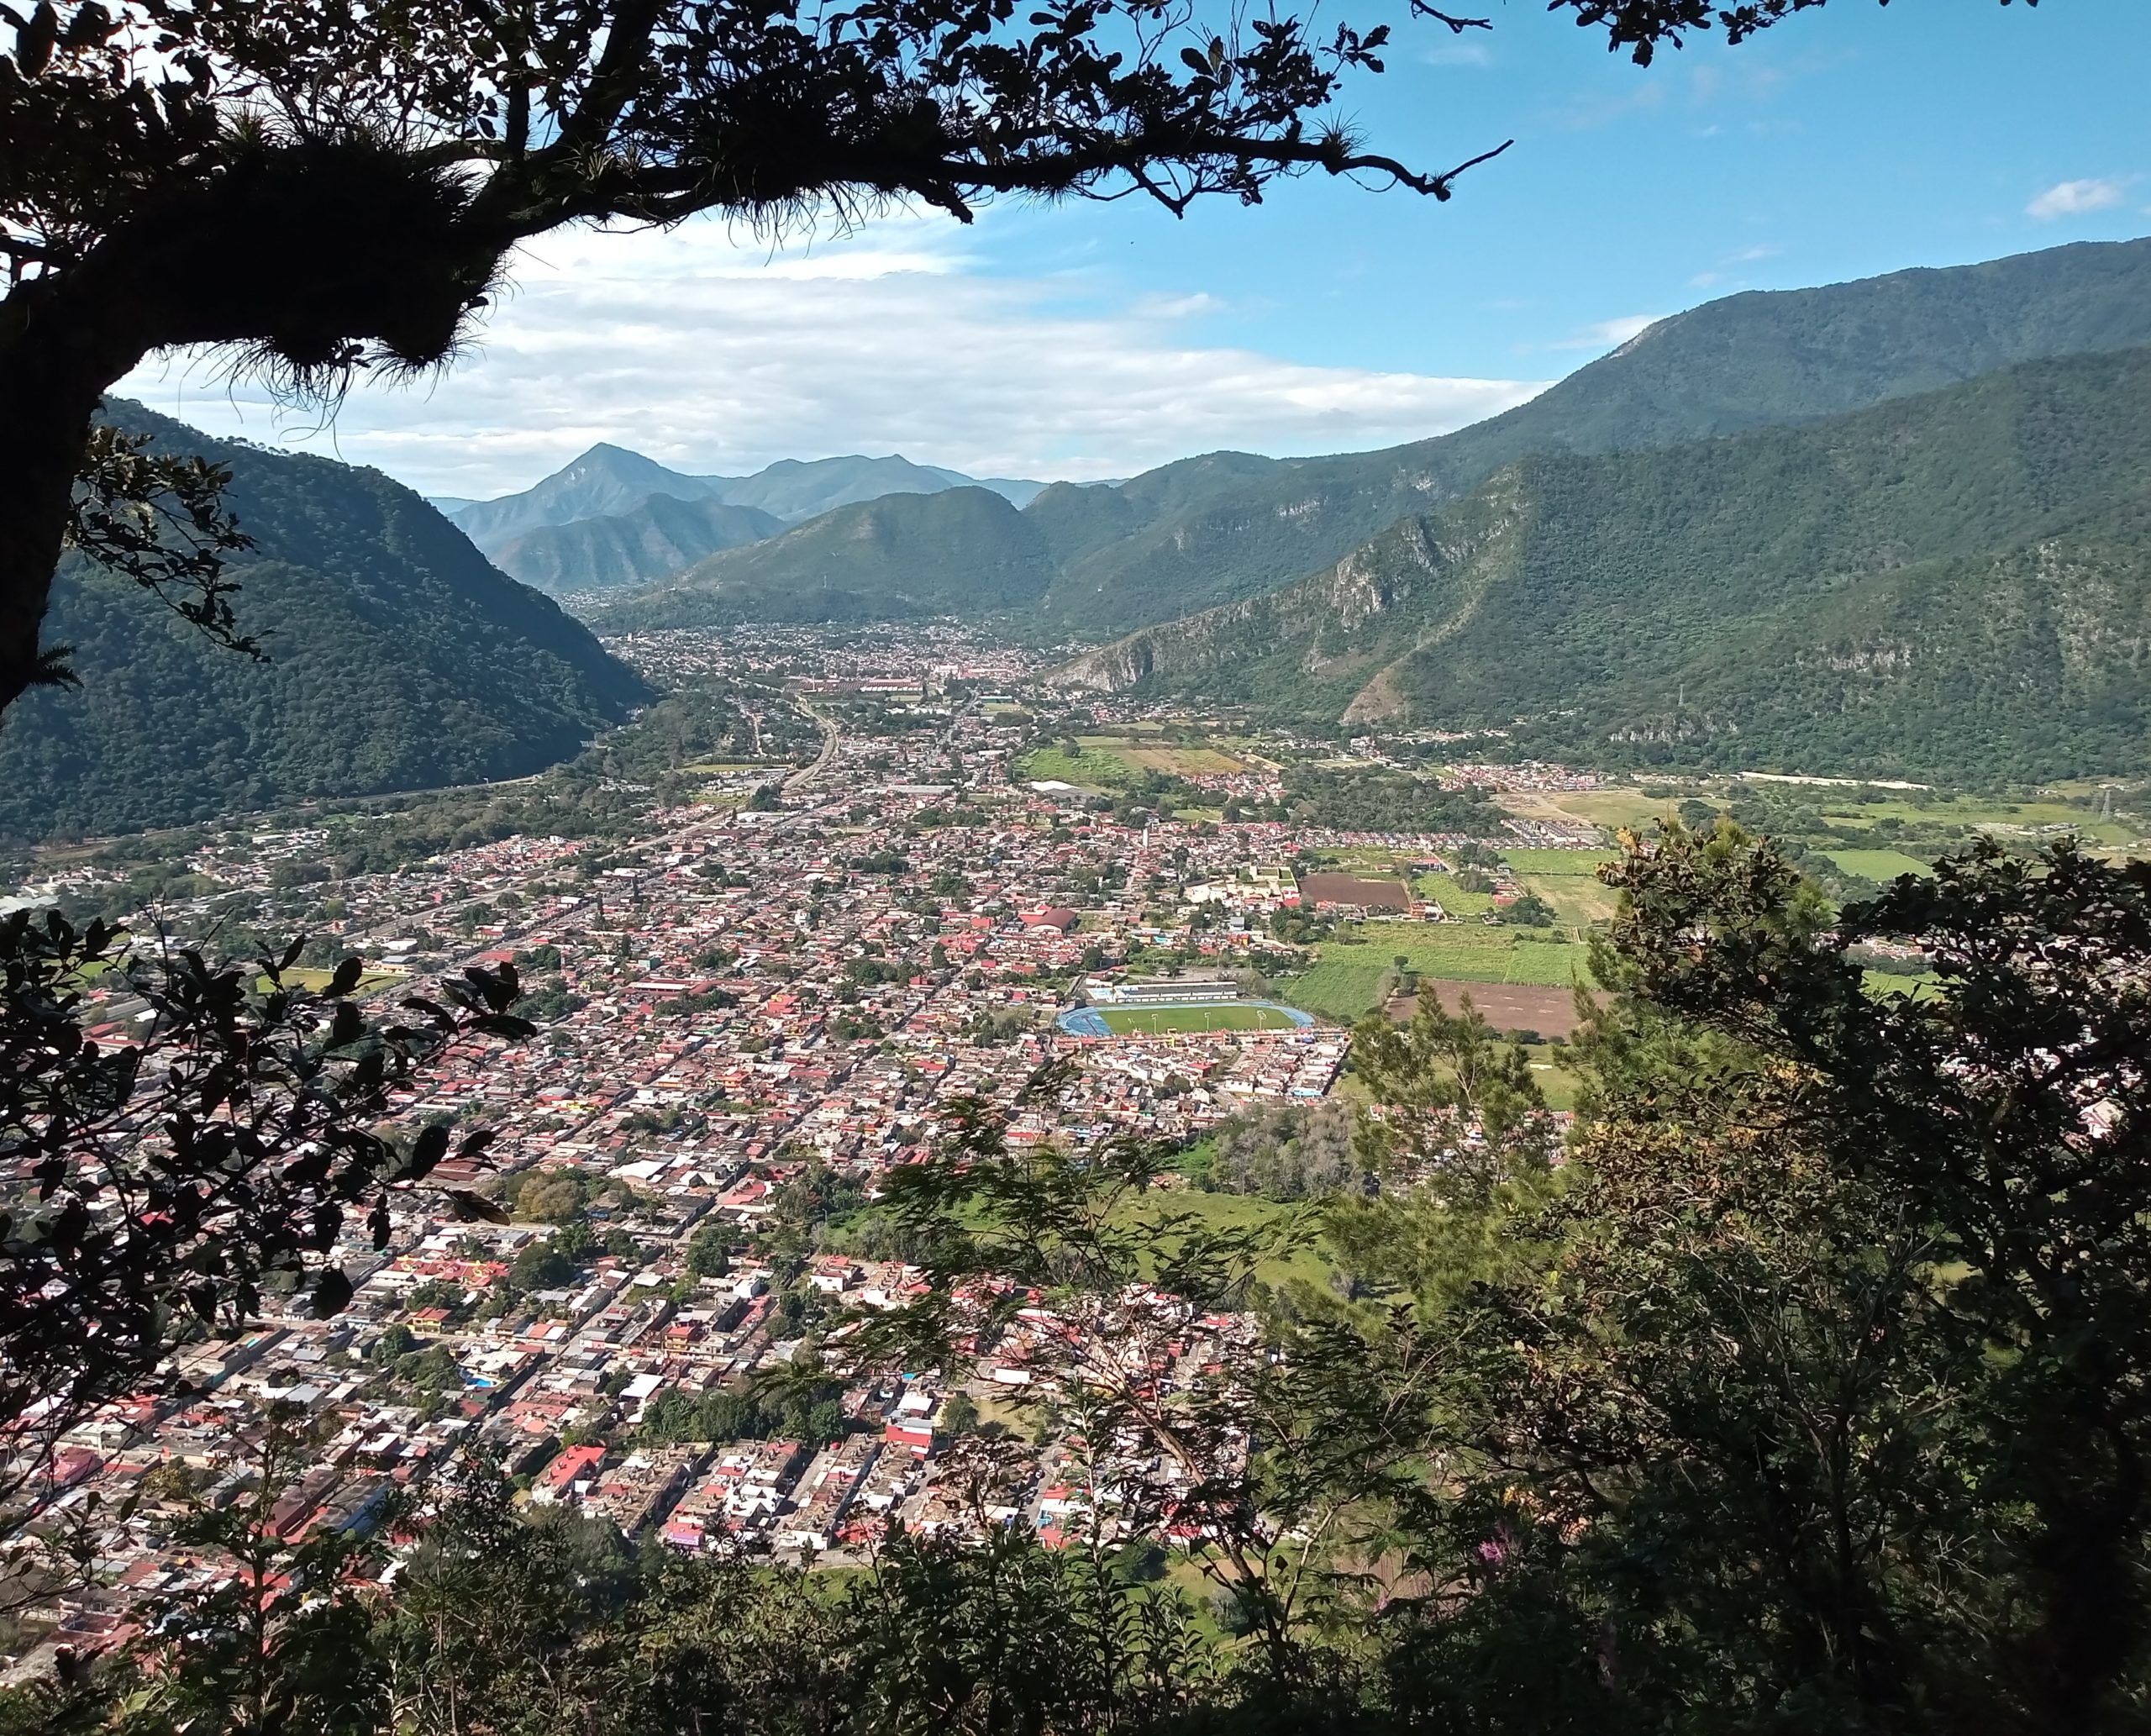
(806, 774)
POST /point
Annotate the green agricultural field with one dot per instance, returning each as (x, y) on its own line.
(1220, 1212)
(1161, 1021)
(306, 976)
(1878, 864)
(1092, 769)
(1557, 863)
(1443, 889)
(1346, 979)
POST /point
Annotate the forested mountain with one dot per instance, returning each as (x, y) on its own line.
(1745, 361)
(795, 489)
(399, 660)
(1208, 530)
(1957, 584)
(903, 556)
(605, 480)
(949, 553)
(610, 481)
(657, 536)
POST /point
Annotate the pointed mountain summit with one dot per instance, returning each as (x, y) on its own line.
(610, 481)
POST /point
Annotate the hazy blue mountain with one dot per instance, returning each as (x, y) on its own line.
(1952, 586)
(658, 535)
(610, 481)
(400, 659)
(606, 480)
(796, 489)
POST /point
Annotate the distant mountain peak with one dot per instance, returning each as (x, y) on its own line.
(611, 481)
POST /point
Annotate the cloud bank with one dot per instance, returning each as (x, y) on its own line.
(2073, 199)
(710, 353)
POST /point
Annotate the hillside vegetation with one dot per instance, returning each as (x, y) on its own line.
(903, 556)
(399, 660)
(1951, 585)
(1228, 526)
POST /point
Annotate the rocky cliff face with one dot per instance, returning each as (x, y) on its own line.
(1413, 586)
(1945, 587)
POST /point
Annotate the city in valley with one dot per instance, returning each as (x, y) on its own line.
(828, 887)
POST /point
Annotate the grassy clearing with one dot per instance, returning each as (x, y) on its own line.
(1161, 1021)
(1557, 1081)
(1879, 864)
(1092, 769)
(1310, 1261)
(307, 977)
(1346, 981)
(1443, 889)
(1558, 863)
(1370, 861)
(1568, 880)
(1609, 808)
(1182, 761)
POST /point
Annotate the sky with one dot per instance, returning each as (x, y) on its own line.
(1084, 340)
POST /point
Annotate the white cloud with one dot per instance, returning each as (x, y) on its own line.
(711, 352)
(1608, 334)
(2073, 199)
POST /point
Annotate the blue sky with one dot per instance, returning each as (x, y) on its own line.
(1092, 340)
(1839, 144)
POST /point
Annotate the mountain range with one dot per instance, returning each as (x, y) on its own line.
(398, 659)
(1099, 560)
(1949, 584)
(614, 516)
(1900, 526)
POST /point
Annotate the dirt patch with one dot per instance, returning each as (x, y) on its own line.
(1507, 1006)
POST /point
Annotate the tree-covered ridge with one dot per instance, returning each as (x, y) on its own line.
(1745, 361)
(964, 550)
(398, 659)
(1228, 525)
(1949, 585)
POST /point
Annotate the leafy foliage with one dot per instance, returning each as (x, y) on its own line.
(213, 1147)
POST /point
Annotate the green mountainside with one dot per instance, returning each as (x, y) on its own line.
(1212, 529)
(400, 660)
(903, 556)
(1745, 361)
(658, 536)
(1955, 585)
